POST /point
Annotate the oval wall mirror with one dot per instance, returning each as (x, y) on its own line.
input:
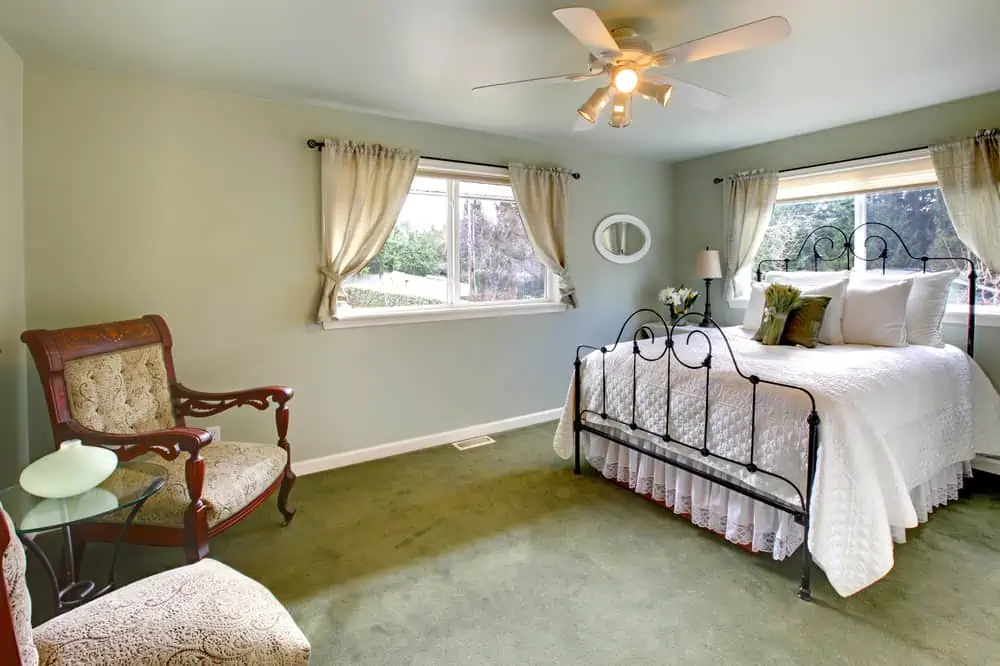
(623, 239)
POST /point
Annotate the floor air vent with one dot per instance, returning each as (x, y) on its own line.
(473, 443)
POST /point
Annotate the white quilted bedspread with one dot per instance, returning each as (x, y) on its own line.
(891, 418)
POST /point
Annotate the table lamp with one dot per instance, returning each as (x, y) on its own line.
(707, 267)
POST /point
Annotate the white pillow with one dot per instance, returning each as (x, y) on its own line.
(755, 308)
(875, 313)
(926, 304)
(802, 279)
(834, 286)
(831, 332)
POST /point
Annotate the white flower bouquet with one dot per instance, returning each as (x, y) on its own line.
(678, 300)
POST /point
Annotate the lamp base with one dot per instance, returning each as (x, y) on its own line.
(706, 320)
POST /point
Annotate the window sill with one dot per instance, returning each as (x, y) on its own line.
(739, 303)
(988, 316)
(357, 319)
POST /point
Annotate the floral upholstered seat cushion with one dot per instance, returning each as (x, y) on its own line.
(235, 474)
(122, 392)
(14, 567)
(204, 613)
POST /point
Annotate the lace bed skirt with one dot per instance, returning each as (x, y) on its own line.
(741, 520)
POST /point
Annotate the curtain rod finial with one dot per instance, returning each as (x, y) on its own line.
(314, 144)
(717, 180)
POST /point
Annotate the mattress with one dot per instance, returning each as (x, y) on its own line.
(892, 420)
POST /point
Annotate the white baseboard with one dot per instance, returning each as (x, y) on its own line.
(333, 461)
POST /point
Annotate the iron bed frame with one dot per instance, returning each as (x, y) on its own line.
(824, 248)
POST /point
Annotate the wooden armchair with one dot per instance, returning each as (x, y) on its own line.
(114, 385)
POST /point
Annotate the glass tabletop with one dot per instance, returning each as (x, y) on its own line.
(130, 483)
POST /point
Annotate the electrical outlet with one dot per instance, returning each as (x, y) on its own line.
(216, 432)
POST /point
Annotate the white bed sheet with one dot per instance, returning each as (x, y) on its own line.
(891, 420)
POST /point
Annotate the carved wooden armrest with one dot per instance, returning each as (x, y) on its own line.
(188, 402)
(164, 443)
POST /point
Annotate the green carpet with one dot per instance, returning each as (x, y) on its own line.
(500, 555)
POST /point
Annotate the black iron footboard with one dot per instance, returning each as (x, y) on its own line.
(800, 512)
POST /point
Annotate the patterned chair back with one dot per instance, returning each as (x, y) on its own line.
(121, 392)
(113, 378)
(17, 646)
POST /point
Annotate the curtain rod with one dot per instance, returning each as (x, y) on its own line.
(718, 180)
(318, 145)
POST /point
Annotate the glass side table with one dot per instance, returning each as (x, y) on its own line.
(127, 488)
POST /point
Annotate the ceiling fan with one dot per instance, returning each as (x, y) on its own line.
(630, 63)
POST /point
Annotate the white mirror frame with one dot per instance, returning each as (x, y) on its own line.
(621, 258)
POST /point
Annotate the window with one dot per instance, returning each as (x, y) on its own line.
(459, 248)
(899, 192)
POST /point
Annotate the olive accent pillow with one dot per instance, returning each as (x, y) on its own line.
(804, 321)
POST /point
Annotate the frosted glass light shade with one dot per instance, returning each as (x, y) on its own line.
(591, 109)
(621, 111)
(68, 471)
(707, 265)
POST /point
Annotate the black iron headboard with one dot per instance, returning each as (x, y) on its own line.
(828, 247)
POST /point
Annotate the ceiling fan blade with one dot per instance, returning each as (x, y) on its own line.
(584, 24)
(560, 78)
(583, 125)
(702, 98)
(748, 36)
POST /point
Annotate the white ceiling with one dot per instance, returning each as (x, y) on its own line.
(846, 60)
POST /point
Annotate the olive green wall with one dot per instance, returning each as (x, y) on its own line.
(204, 207)
(698, 201)
(13, 396)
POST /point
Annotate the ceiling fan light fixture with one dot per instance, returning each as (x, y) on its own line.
(591, 109)
(655, 92)
(621, 111)
(625, 79)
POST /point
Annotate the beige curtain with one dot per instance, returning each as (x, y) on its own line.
(968, 172)
(541, 194)
(364, 188)
(748, 202)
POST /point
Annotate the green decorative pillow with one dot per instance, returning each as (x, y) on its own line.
(779, 299)
(804, 321)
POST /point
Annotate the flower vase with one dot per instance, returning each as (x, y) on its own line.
(70, 470)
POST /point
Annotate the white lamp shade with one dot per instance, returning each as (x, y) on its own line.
(707, 265)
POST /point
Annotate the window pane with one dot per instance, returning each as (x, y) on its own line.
(918, 215)
(496, 261)
(790, 226)
(921, 219)
(412, 267)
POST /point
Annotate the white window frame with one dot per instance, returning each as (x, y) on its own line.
(455, 171)
(955, 314)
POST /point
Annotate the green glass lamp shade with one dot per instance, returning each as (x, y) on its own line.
(68, 471)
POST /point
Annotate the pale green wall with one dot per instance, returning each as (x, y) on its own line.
(698, 202)
(13, 397)
(146, 197)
